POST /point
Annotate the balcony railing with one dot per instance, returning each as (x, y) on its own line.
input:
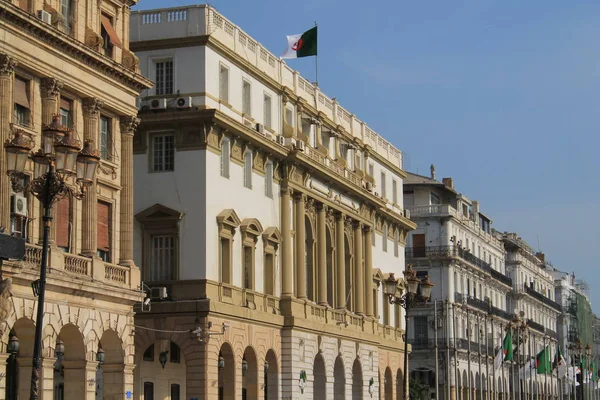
(432, 210)
(501, 277)
(534, 325)
(551, 333)
(533, 293)
(483, 306)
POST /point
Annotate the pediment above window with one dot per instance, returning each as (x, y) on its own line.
(251, 226)
(228, 218)
(159, 213)
(272, 235)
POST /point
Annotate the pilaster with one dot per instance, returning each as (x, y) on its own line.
(89, 243)
(358, 270)
(128, 125)
(7, 70)
(4, 373)
(368, 272)
(340, 254)
(286, 245)
(47, 378)
(300, 237)
(322, 254)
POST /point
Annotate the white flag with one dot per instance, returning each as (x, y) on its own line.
(499, 358)
(525, 372)
(561, 367)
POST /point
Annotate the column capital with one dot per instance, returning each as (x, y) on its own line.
(299, 107)
(91, 106)
(50, 87)
(299, 195)
(367, 228)
(322, 207)
(129, 124)
(357, 225)
(7, 65)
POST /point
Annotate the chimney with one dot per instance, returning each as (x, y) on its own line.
(432, 170)
(541, 256)
(448, 182)
(475, 207)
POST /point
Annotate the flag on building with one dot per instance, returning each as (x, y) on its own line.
(528, 369)
(301, 45)
(506, 351)
(559, 364)
(542, 360)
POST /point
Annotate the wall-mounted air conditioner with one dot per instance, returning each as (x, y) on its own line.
(45, 16)
(158, 292)
(184, 102)
(157, 104)
(369, 186)
(260, 128)
(19, 205)
(281, 140)
(299, 145)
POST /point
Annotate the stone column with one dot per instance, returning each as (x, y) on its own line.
(300, 246)
(368, 272)
(89, 241)
(340, 253)
(47, 378)
(113, 381)
(128, 126)
(299, 109)
(50, 92)
(358, 270)
(7, 69)
(287, 285)
(322, 254)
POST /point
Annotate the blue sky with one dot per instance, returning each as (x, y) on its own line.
(501, 95)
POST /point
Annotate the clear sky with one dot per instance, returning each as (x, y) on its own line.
(503, 96)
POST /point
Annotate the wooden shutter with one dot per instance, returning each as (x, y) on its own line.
(419, 245)
(110, 30)
(21, 94)
(65, 104)
(63, 218)
(103, 226)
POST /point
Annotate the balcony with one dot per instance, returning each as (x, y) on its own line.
(536, 326)
(483, 306)
(500, 277)
(538, 296)
(551, 333)
(436, 210)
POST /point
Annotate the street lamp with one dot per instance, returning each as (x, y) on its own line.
(62, 168)
(266, 369)
(407, 300)
(12, 349)
(221, 362)
(244, 366)
(100, 355)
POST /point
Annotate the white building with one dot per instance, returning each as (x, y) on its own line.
(270, 214)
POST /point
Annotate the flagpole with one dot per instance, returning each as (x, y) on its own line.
(435, 334)
(511, 377)
(316, 64)
(448, 372)
(546, 374)
(471, 381)
(502, 379)
(480, 383)
(456, 375)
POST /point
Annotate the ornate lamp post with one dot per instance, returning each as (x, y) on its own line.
(266, 369)
(12, 349)
(407, 300)
(588, 370)
(62, 168)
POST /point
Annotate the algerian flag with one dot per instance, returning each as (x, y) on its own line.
(506, 351)
(526, 371)
(560, 364)
(302, 45)
(543, 361)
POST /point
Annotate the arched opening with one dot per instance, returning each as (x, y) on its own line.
(500, 388)
(483, 386)
(330, 269)
(162, 367)
(399, 384)
(348, 272)
(310, 260)
(249, 375)
(24, 330)
(339, 380)
(458, 387)
(465, 386)
(388, 387)
(69, 376)
(110, 376)
(320, 378)
(357, 381)
(271, 377)
(226, 365)
(477, 386)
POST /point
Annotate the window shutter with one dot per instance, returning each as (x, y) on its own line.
(103, 226)
(110, 30)
(65, 104)
(63, 213)
(21, 95)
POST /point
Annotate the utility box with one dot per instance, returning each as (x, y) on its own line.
(11, 248)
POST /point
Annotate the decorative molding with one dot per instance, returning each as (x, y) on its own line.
(129, 123)
(258, 161)
(50, 87)
(130, 61)
(91, 106)
(237, 150)
(310, 207)
(92, 39)
(107, 169)
(7, 65)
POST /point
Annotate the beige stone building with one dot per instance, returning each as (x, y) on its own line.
(71, 58)
(267, 216)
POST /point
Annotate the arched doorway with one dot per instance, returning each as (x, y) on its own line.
(249, 375)
(24, 330)
(110, 376)
(320, 378)
(357, 381)
(399, 384)
(70, 378)
(271, 376)
(162, 368)
(388, 384)
(310, 260)
(339, 380)
(226, 365)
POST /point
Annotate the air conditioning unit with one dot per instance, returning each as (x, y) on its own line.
(281, 140)
(45, 16)
(158, 292)
(369, 186)
(184, 102)
(299, 145)
(158, 104)
(19, 205)
(407, 213)
(260, 128)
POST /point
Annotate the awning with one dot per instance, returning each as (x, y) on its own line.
(20, 95)
(112, 34)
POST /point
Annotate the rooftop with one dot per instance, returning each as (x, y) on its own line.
(203, 20)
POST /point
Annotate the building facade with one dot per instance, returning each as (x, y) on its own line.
(70, 61)
(269, 214)
(455, 245)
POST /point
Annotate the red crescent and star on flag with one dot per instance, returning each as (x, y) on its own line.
(298, 45)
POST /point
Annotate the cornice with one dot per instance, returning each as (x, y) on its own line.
(28, 24)
(388, 164)
(171, 43)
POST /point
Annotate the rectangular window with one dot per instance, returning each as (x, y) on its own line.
(65, 10)
(175, 392)
(386, 310)
(21, 102)
(163, 258)
(246, 98)
(434, 199)
(104, 231)
(394, 191)
(24, 5)
(63, 223)
(396, 243)
(418, 245)
(225, 158)
(109, 35)
(163, 153)
(174, 353)
(383, 191)
(270, 274)
(225, 251)
(66, 112)
(148, 391)
(105, 137)
(397, 315)
(289, 117)
(164, 77)
(421, 329)
(248, 267)
(248, 169)
(269, 180)
(223, 83)
(371, 170)
(267, 111)
(376, 302)
(385, 238)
